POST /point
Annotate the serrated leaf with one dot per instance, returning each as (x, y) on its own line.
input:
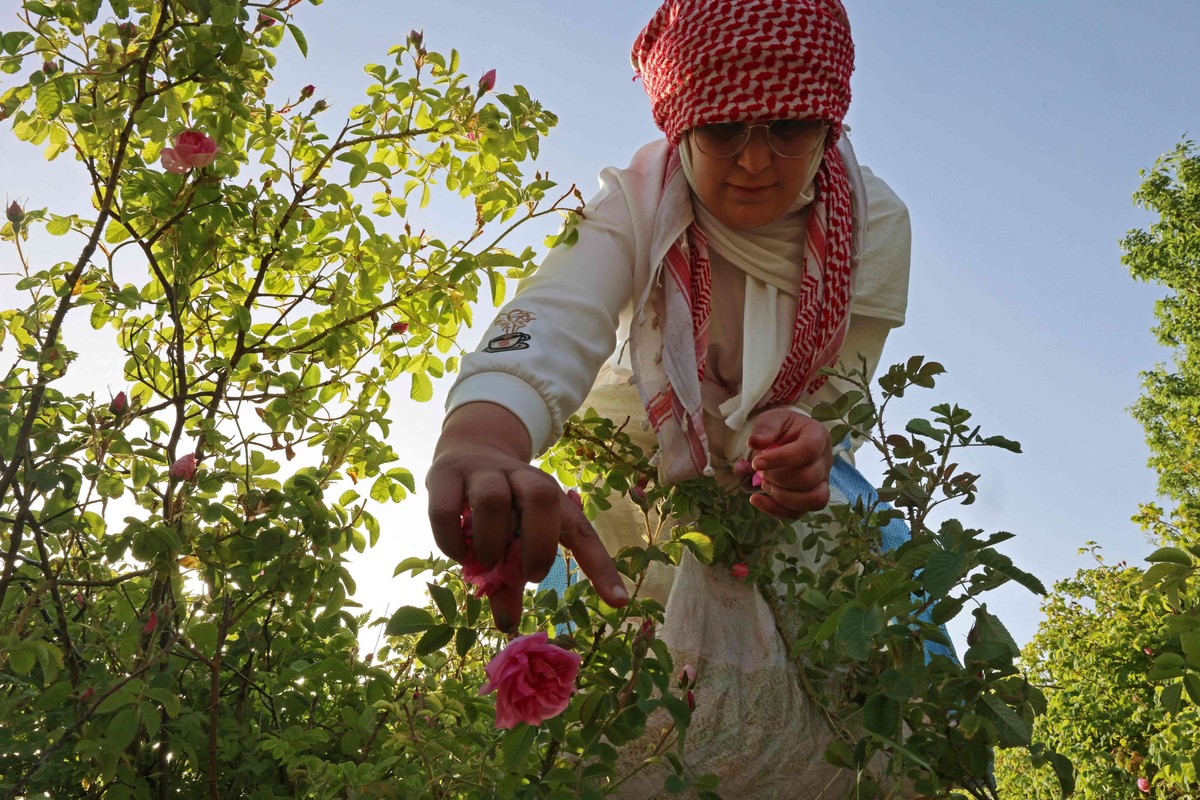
(1013, 730)
(434, 639)
(464, 640)
(445, 601)
(422, 388)
(881, 715)
(1166, 666)
(1170, 698)
(1170, 555)
(924, 427)
(49, 101)
(855, 629)
(942, 571)
(122, 729)
(409, 619)
(301, 42)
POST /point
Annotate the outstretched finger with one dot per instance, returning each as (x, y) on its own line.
(589, 552)
(507, 604)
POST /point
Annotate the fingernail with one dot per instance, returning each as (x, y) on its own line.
(618, 592)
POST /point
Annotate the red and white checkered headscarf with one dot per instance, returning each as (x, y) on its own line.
(707, 61)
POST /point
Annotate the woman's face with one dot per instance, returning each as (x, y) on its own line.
(753, 187)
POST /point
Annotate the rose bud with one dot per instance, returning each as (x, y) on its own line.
(691, 700)
(1144, 785)
(14, 213)
(638, 490)
(646, 634)
(50, 67)
(399, 327)
(265, 21)
(687, 675)
(127, 30)
(151, 623)
(416, 37)
(739, 571)
(184, 467)
(80, 600)
(307, 91)
(119, 404)
(488, 81)
(88, 694)
(320, 106)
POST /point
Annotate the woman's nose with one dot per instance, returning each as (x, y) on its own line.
(756, 155)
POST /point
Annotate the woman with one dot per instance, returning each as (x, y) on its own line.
(736, 258)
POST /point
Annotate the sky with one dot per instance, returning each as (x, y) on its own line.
(1014, 131)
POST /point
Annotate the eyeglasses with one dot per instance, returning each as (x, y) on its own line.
(788, 138)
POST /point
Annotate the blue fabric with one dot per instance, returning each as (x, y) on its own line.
(843, 478)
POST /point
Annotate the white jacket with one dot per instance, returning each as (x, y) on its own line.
(541, 355)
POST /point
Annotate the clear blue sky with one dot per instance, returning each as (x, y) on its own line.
(1015, 132)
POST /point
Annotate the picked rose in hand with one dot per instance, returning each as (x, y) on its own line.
(506, 572)
(533, 680)
(191, 149)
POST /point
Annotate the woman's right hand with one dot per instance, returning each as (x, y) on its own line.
(482, 462)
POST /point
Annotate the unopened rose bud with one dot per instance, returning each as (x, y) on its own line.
(127, 30)
(399, 327)
(488, 81)
(1144, 785)
(119, 404)
(88, 694)
(687, 675)
(50, 67)
(638, 490)
(151, 623)
(15, 214)
(307, 91)
(265, 21)
(320, 106)
(645, 634)
(691, 700)
(80, 600)
(417, 38)
(739, 571)
(184, 467)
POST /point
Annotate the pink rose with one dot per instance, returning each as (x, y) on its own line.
(739, 571)
(191, 149)
(151, 623)
(184, 467)
(691, 700)
(1144, 785)
(488, 81)
(307, 91)
(399, 327)
(506, 572)
(533, 680)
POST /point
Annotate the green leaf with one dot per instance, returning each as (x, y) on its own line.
(1170, 698)
(1013, 730)
(434, 639)
(881, 715)
(122, 729)
(422, 388)
(1064, 770)
(464, 640)
(1190, 641)
(942, 571)
(49, 101)
(516, 746)
(22, 659)
(301, 42)
(409, 619)
(443, 598)
(924, 427)
(855, 629)
(1166, 666)
(1170, 555)
(1191, 682)
(87, 11)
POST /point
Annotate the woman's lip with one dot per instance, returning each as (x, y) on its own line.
(749, 191)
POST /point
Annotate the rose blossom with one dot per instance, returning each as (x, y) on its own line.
(191, 149)
(506, 572)
(184, 467)
(739, 571)
(533, 680)
(1144, 785)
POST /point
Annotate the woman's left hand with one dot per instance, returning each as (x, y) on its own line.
(794, 454)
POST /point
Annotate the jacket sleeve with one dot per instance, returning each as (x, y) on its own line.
(541, 353)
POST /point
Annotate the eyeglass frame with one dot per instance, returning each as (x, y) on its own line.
(748, 129)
